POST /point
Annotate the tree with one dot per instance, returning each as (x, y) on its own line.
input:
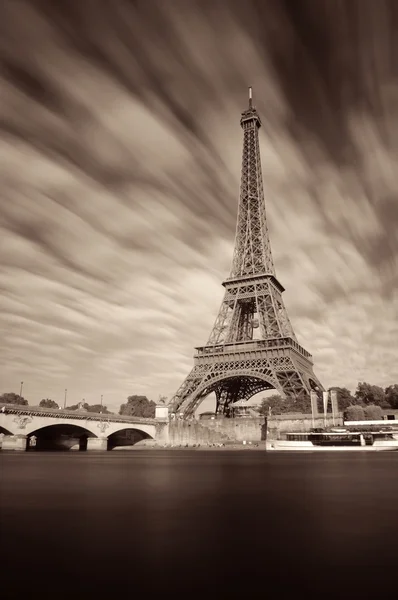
(344, 397)
(97, 408)
(280, 406)
(274, 403)
(301, 405)
(11, 398)
(47, 403)
(391, 393)
(78, 406)
(354, 413)
(138, 406)
(373, 412)
(370, 394)
(92, 408)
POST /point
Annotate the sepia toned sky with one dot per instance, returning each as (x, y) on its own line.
(120, 151)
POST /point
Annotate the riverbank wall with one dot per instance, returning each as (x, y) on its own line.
(241, 429)
(279, 424)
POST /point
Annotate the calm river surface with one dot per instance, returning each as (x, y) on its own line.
(185, 524)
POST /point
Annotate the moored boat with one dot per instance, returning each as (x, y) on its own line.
(336, 440)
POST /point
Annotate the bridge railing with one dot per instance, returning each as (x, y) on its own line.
(38, 411)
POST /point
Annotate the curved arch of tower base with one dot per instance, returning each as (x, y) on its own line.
(235, 378)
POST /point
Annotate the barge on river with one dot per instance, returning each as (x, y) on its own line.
(336, 440)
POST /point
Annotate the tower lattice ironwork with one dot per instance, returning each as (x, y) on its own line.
(252, 346)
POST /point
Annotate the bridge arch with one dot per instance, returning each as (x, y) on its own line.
(5, 431)
(259, 382)
(59, 436)
(127, 436)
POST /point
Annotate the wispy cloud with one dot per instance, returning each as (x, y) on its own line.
(119, 167)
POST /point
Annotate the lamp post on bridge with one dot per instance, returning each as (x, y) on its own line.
(66, 391)
(20, 390)
(101, 404)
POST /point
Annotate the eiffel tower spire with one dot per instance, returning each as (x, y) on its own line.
(252, 346)
(252, 260)
(252, 254)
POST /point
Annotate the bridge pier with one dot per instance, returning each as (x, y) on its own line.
(15, 442)
(97, 443)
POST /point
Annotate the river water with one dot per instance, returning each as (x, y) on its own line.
(188, 524)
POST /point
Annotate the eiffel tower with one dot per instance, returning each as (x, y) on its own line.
(252, 346)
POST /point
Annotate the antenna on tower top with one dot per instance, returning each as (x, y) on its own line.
(250, 97)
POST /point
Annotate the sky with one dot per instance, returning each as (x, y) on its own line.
(120, 152)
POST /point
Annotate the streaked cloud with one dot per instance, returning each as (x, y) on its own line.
(119, 167)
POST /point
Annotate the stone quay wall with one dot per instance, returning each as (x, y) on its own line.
(194, 433)
(280, 424)
(240, 429)
(216, 431)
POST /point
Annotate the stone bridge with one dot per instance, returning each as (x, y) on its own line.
(25, 427)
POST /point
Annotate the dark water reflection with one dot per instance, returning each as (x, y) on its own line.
(223, 524)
